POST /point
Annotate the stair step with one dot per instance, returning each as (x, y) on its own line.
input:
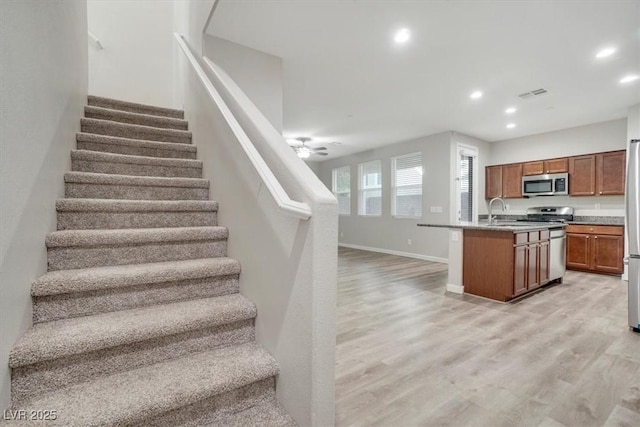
(102, 113)
(90, 214)
(73, 249)
(269, 413)
(116, 104)
(108, 127)
(81, 292)
(134, 396)
(88, 185)
(122, 164)
(135, 147)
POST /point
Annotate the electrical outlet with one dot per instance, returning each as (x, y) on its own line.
(435, 209)
(597, 205)
(342, 234)
(506, 207)
(454, 236)
(409, 242)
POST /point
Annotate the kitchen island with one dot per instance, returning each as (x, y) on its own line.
(500, 261)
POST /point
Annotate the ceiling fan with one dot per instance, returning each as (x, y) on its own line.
(304, 151)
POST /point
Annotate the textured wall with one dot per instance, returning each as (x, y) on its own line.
(43, 66)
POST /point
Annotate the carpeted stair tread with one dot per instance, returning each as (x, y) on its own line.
(108, 127)
(94, 112)
(66, 337)
(108, 143)
(133, 396)
(110, 277)
(116, 104)
(269, 413)
(80, 238)
(133, 180)
(98, 156)
(115, 205)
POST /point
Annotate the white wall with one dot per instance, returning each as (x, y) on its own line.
(258, 74)
(593, 138)
(137, 61)
(392, 234)
(288, 265)
(43, 64)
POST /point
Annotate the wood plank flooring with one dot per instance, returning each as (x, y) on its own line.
(410, 354)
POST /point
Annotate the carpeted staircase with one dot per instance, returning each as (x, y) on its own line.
(138, 320)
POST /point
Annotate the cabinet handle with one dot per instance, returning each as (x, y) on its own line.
(601, 192)
(588, 237)
(595, 237)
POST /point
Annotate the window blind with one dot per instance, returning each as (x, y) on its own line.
(341, 188)
(407, 185)
(370, 188)
(466, 188)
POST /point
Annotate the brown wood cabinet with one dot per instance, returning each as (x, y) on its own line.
(545, 166)
(503, 181)
(582, 175)
(502, 265)
(599, 249)
(610, 172)
(601, 174)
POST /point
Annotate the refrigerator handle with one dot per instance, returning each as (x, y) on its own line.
(633, 197)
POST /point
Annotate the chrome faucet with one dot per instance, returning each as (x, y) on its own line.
(492, 219)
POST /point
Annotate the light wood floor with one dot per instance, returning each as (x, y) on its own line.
(410, 354)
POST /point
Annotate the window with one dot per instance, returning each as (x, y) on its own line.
(406, 191)
(370, 188)
(467, 182)
(341, 187)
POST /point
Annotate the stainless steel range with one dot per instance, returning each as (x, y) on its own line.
(557, 245)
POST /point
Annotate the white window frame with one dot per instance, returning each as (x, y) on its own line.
(361, 189)
(467, 151)
(393, 187)
(334, 174)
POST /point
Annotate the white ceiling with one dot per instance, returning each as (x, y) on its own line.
(346, 80)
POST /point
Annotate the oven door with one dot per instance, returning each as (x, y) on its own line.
(538, 185)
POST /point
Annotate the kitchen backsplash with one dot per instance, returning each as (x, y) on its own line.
(583, 206)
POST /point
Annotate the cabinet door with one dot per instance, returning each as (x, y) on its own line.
(544, 262)
(512, 181)
(493, 182)
(608, 252)
(556, 165)
(533, 267)
(611, 172)
(582, 175)
(533, 168)
(520, 270)
(578, 251)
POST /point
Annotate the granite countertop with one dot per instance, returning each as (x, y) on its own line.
(578, 220)
(515, 227)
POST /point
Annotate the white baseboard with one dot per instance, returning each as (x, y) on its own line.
(456, 289)
(398, 253)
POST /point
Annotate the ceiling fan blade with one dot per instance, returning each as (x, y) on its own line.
(321, 154)
(320, 148)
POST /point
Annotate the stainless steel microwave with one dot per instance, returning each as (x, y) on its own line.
(556, 184)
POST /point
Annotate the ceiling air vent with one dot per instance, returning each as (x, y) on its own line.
(533, 93)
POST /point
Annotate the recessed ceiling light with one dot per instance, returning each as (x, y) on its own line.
(476, 95)
(511, 110)
(630, 78)
(402, 36)
(606, 52)
(511, 125)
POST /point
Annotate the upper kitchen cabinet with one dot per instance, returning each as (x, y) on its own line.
(493, 182)
(582, 175)
(601, 174)
(545, 166)
(512, 181)
(503, 181)
(611, 172)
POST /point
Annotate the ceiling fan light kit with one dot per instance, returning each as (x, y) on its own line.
(304, 151)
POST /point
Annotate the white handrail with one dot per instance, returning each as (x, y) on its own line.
(279, 195)
(95, 40)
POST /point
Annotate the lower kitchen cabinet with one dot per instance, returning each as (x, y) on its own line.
(503, 265)
(598, 249)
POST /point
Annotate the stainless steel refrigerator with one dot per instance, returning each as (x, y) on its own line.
(633, 228)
